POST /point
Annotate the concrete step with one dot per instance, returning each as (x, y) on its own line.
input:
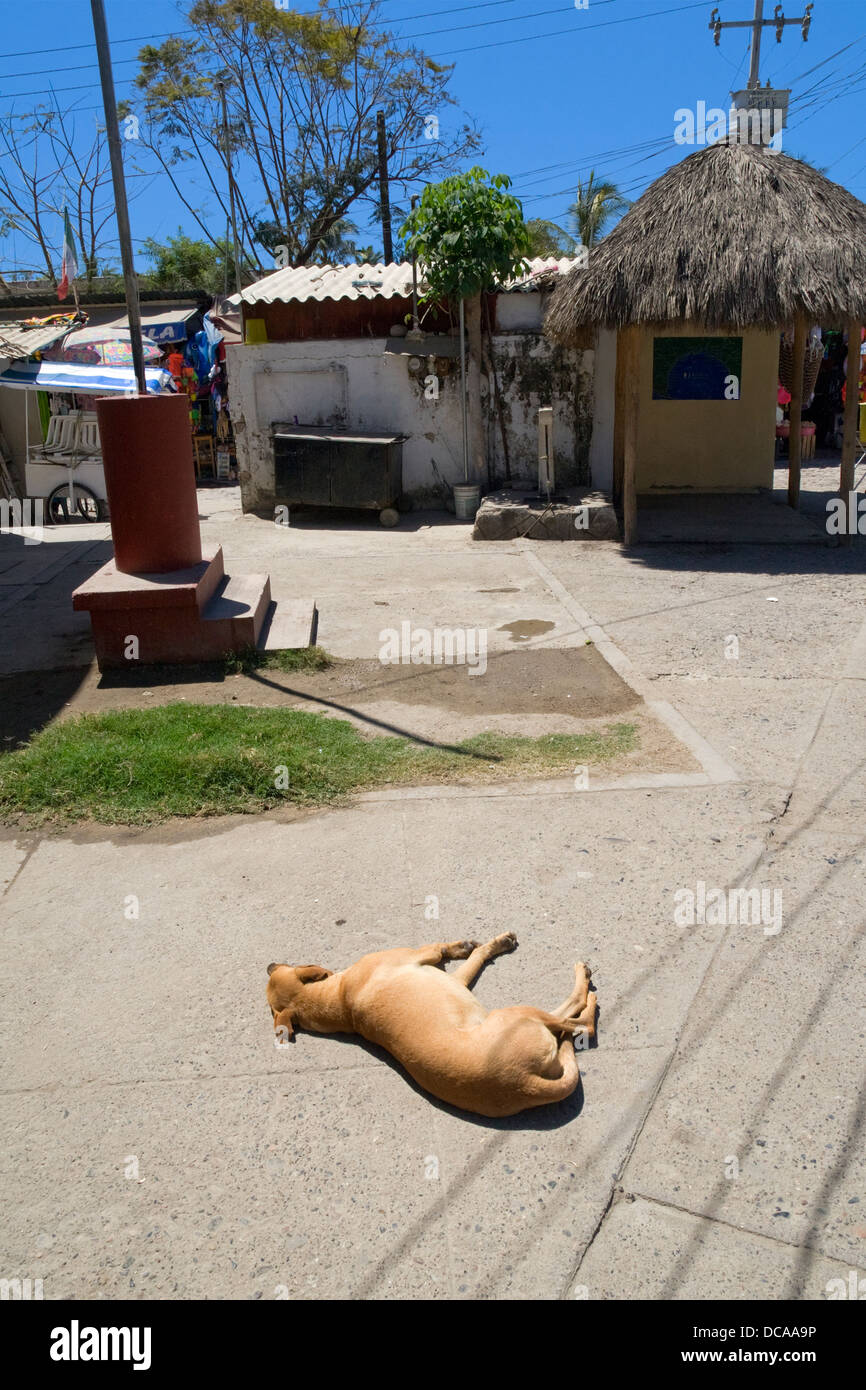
(238, 609)
(113, 589)
(289, 624)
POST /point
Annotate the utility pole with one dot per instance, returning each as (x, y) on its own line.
(112, 130)
(384, 196)
(415, 331)
(757, 26)
(220, 84)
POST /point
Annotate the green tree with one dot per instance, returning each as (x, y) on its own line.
(597, 202)
(469, 234)
(48, 166)
(183, 263)
(548, 239)
(303, 89)
(336, 247)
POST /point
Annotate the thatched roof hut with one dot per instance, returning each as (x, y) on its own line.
(738, 238)
(735, 236)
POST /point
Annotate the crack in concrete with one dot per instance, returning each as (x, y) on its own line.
(90, 1082)
(699, 991)
(734, 1226)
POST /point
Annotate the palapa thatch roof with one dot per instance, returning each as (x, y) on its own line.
(734, 236)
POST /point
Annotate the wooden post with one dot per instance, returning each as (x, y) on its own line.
(795, 438)
(619, 418)
(849, 429)
(631, 412)
(384, 192)
(115, 155)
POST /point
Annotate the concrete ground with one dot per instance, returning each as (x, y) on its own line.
(158, 1146)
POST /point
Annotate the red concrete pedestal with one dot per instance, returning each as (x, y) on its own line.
(194, 614)
(150, 482)
(160, 599)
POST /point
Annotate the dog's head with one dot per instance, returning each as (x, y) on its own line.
(285, 986)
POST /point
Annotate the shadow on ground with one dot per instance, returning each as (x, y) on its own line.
(309, 518)
(742, 534)
(45, 649)
(541, 1119)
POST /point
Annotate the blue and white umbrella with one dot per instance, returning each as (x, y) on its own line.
(87, 380)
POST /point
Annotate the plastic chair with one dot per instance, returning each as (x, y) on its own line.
(59, 439)
(87, 439)
(68, 430)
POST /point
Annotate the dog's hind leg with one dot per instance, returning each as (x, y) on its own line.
(467, 972)
(576, 1001)
(586, 1018)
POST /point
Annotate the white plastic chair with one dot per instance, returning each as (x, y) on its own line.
(87, 438)
(59, 439)
(66, 434)
(52, 437)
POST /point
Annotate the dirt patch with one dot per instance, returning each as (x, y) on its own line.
(529, 691)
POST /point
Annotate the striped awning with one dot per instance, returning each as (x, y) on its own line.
(87, 380)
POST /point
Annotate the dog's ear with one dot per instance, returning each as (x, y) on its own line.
(311, 974)
(272, 967)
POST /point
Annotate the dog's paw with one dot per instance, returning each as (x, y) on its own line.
(506, 942)
(587, 969)
(462, 950)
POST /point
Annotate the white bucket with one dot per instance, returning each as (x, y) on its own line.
(467, 500)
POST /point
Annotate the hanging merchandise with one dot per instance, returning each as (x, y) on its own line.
(223, 427)
(862, 383)
(201, 352)
(811, 364)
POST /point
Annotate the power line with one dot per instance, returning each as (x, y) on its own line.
(583, 28)
(72, 47)
(433, 14)
(481, 24)
(487, 23)
(43, 72)
(49, 91)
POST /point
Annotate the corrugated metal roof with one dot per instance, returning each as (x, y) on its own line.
(16, 341)
(543, 270)
(306, 282)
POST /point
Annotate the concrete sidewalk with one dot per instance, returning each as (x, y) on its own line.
(158, 1146)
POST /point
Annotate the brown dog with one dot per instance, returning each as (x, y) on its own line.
(493, 1063)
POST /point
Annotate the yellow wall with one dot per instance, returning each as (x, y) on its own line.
(710, 445)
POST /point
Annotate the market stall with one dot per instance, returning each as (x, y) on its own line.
(65, 467)
(198, 367)
(89, 360)
(824, 391)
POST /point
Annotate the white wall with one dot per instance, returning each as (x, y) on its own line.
(357, 384)
(365, 388)
(520, 312)
(532, 372)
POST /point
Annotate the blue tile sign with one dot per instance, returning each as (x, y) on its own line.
(167, 332)
(696, 369)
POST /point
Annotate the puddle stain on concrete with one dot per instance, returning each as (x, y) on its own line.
(526, 628)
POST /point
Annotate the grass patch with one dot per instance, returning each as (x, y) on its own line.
(291, 659)
(134, 767)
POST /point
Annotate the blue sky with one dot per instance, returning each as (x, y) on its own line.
(555, 90)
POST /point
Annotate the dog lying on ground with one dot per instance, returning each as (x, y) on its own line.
(494, 1064)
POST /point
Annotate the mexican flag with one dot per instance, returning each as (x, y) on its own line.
(69, 269)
